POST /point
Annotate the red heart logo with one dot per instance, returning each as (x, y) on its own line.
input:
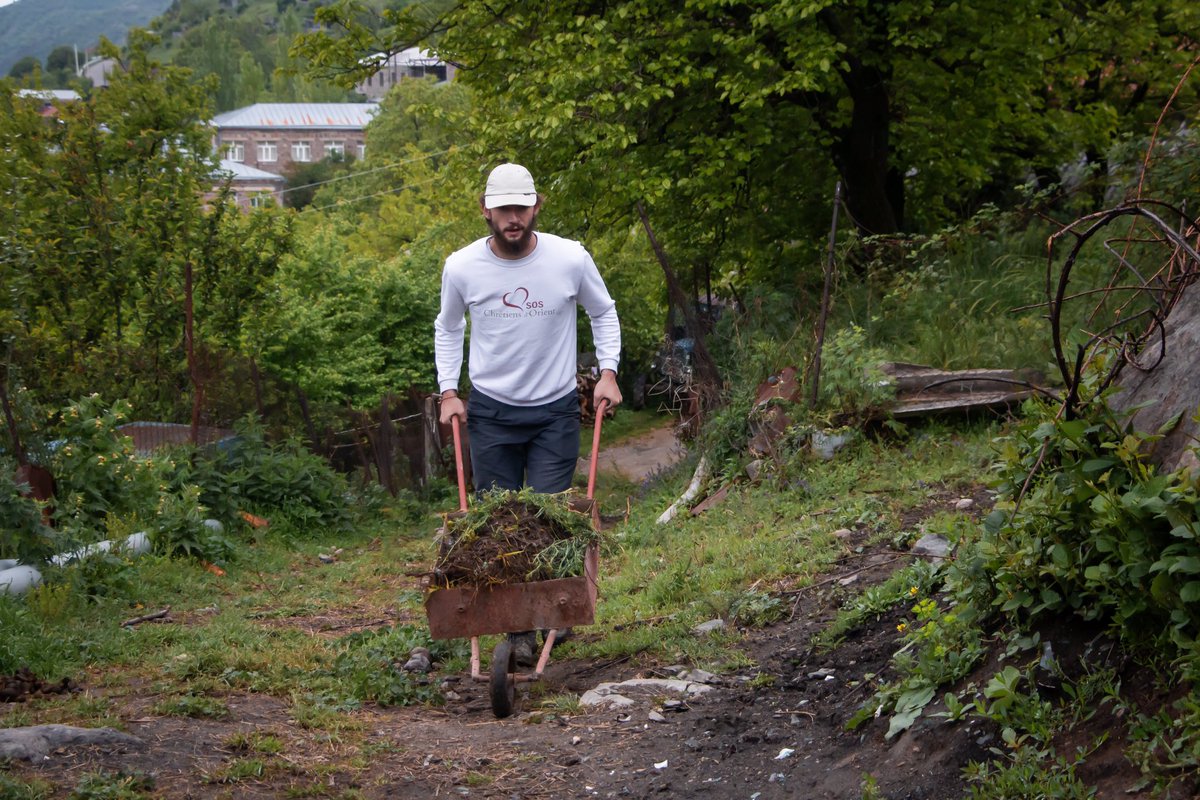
(513, 294)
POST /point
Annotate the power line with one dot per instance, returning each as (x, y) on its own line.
(376, 194)
(364, 172)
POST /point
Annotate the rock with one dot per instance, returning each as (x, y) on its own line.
(19, 579)
(452, 696)
(37, 742)
(712, 626)
(754, 469)
(214, 525)
(825, 445)
(654, 716)
(326, 558)
(699, 676)
(964, 504)
(620, 695)
(843, 533)
(931, 544)
(419, 660)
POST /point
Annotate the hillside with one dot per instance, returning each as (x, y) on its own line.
(35, 27)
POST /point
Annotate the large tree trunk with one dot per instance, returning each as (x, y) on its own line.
(862, 154)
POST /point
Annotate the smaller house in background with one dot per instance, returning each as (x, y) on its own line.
(97, 70)
(251, 187)
(410, 63)
(275, 136)
(50, 99)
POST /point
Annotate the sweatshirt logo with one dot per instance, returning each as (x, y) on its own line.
(510, 298)
(522, 307)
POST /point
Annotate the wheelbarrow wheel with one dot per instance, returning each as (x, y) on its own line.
(503, 687)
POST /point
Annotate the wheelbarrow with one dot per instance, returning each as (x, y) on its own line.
(548, 605)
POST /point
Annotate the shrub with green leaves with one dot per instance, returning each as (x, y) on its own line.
(96, 471)
(23, 534)
(1089, 527)
(853, 387)
(283, 479)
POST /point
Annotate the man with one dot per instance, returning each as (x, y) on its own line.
(521, 288)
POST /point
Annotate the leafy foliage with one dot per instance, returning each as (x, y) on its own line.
(280, 479)
(98, 473)
(368, 666)
(1096, 532)
(23, 533)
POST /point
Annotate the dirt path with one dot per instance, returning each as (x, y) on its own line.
(637, 458)
(773, 730)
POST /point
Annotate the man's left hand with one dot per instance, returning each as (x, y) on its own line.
(607, 389)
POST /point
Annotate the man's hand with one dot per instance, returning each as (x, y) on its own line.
(452, 406)
(607, 389)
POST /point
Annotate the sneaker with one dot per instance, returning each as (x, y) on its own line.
(524, 647)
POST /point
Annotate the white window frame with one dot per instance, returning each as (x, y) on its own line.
(263, 199)
(362, 151)
(235, 151)
(337, 147)
(268, 151)
(302, 151)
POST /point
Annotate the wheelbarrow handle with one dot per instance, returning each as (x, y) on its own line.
(591, 486)
(455, 425)
(458, 456)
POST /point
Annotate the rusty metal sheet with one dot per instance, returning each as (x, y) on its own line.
(513, 607)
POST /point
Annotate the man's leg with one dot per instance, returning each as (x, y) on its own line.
(498, 448)
(554, 451)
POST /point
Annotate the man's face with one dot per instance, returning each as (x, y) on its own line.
(512, 228)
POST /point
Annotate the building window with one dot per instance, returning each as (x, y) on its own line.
(301, 151)
(235, 151)
(262, 200)
(267, 151)
(362, 151)
(333, 149)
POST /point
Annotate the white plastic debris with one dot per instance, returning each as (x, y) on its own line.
(785, 753)
(19, 579)
(660, 765)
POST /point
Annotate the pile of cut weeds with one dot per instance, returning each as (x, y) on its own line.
(514, 537)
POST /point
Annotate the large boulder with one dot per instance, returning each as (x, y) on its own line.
(1168, 396)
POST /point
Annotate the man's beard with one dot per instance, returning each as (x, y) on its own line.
(508, 247)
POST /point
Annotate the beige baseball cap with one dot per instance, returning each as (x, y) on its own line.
(509, 185)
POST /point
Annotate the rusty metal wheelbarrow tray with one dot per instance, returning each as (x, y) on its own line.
(538, 605)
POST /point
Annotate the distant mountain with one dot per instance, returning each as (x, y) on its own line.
(35, 27)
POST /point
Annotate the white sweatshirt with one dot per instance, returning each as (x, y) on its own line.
(523, 343)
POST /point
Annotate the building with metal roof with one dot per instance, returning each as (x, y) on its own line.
(410, 63)
(251, 187)
(276, 136)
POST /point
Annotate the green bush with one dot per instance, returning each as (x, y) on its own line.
(23, 534)
(1097, 531)
(284, 479)
(96, 471)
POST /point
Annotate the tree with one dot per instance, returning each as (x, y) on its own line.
(735, 106)
(26, 67)
(105, 215)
